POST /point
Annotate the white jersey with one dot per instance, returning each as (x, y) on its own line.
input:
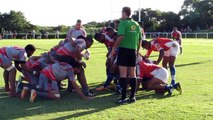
(74, 33)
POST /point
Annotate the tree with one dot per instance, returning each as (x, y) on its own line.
(15, 21)
(197, 13)
(155, 20)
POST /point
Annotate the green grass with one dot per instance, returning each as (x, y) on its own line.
(194, 71)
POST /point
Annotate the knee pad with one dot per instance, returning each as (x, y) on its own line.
(10, 68)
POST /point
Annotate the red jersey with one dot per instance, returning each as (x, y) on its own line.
(29, 63)
(146, 69)
(176, 35)
(158, 44)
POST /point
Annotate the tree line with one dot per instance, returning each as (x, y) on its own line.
(195, 15)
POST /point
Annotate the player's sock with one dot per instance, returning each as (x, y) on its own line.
(174, 85)
(123, 83)
(169, 89)
(118, 89)
(85, 90)
(172, 71)
(108, 80)
(133, 87)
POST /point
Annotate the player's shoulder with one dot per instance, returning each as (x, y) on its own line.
(178, 32)
(80, 40)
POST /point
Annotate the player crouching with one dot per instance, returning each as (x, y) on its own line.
(155, 78)
(48, 78)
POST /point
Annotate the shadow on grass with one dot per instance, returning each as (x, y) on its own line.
(69, 106)
(194, 63)
(14, 108)
(144, 94)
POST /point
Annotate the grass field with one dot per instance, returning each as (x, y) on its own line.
(194, 72)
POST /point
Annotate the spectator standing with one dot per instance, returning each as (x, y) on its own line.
(33, 34)
(14, 34)
(57, 33)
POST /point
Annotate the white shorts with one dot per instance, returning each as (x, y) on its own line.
(173, 50)
(161, 74)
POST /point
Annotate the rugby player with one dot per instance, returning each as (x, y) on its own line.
(168, 50)
(177, 36)
(48, 78)
(155, 78)
(18, 55)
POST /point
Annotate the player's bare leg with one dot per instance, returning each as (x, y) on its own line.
(6, 80)
(12, 77)
(159, 86)
(82, 80)
(156, 84)
(110, 77)
(165, 62)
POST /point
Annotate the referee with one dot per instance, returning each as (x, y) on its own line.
(128, 44)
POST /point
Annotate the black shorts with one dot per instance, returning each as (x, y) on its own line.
(67, 59)
(126, 57)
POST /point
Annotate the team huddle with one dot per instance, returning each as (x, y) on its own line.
(43, 75)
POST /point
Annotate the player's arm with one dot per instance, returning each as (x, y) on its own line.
(20, 65)
(160, 57)
(17, 63)
(78, 91)
(148, 53)
(78, 52)
(84, 32)
(172, 35)
(121, 33)
(140, 42)
(117, 42)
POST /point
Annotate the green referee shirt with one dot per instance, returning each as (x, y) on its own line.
(131, 31)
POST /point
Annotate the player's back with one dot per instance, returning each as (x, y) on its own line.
(15, 53)
(61, 70)
(147, 68)
(162, 41)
